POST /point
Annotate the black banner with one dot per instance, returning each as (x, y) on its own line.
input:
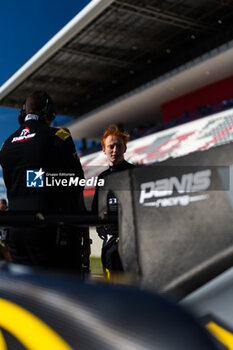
(176, 219)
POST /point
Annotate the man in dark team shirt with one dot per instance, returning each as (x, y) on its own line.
(114, 146)
(36, 149)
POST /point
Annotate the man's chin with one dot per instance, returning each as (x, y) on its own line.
(116, 161)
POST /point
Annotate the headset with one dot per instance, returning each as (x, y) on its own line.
(49, 108)
(22, 114)
(49, 111)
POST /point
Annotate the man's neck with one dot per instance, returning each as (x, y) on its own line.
(116, 165)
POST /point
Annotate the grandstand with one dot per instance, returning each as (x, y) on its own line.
(178, 141)
(132, 62)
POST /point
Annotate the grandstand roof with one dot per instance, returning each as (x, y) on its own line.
(116, 49)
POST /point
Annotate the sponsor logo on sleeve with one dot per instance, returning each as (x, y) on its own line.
(25, 135)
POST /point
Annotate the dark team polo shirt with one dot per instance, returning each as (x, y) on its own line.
(36, 146)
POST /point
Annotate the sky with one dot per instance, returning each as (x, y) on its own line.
(26, 26)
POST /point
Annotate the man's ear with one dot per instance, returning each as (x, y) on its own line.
(103, 149)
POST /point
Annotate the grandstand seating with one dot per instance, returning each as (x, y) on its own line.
(177, 141)
(142, 131)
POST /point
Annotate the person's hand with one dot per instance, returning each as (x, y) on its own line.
(102, 232)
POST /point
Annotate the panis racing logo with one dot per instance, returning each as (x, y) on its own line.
(24, 136)
(159, 193)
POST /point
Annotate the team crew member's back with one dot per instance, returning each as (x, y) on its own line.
(43, 148)
(36, 146)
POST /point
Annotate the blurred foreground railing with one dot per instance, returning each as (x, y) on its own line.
(31, 219)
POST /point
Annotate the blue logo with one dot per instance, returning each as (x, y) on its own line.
(35, 178)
